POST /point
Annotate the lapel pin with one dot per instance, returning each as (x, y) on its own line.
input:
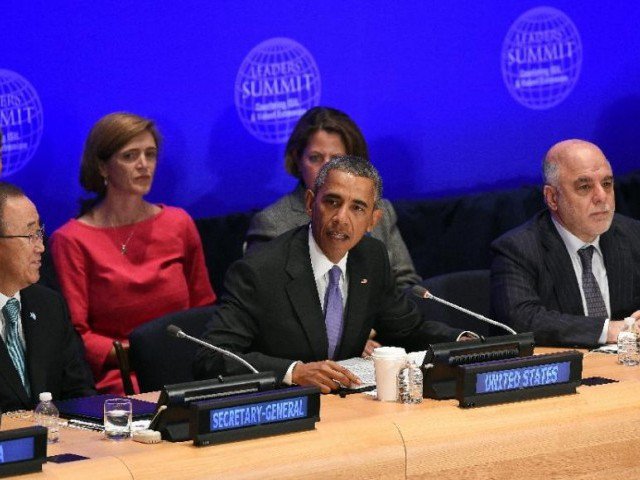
(32, 315)
(364, 281)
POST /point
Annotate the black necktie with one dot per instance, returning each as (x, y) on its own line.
(592, 293)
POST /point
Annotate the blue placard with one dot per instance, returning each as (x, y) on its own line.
(17, 450)
(257, 414)
(524, 377)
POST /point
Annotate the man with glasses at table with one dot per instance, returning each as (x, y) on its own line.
(40, 350)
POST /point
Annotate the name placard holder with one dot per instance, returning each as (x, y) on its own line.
(442, 360)
(22, 450)
(176, 399)
(518, 379)
(254, 415)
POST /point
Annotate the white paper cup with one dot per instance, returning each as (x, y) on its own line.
(388, 361)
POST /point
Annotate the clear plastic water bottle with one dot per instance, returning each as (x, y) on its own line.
(47, 415)
(628, 343)
(410, 383)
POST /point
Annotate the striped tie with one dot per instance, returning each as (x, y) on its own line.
(11, 312)
(592, 294)
(333, 310)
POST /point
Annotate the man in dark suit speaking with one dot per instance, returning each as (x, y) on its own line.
(572, 273)
(40, 350)
(313, 294)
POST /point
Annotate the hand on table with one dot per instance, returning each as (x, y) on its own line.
(325, 374)
(614, 329)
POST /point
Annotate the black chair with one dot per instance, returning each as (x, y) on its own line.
(122, 355)
(469, 289)
(159, 359)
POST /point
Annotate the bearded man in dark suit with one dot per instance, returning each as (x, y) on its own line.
(572, 273)
(280, 310)
(40, 351)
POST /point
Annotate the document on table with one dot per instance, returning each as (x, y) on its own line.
(364, 369)
(609, 348)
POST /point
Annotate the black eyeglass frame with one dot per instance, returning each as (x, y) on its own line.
(37, 235)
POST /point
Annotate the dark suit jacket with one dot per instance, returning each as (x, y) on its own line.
(272, 315)
(289, 212)
(53, 354)
(534, 286)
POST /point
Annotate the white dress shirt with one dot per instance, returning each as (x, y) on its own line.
(573, 244)
(321, 265)
(3, 322)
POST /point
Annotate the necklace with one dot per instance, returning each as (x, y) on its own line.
(123, 246)
(140, 215)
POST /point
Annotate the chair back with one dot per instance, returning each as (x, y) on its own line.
(469, 289)
(160, 359)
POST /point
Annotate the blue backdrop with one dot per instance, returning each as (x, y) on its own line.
(423, 79)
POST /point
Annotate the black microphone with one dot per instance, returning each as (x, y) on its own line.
(177, 332)
(420, 291)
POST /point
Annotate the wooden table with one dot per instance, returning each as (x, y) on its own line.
(594, 434)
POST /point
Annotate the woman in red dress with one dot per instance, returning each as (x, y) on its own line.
(125, 261)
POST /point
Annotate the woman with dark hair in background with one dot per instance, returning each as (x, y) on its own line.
(125, 261)
(320, 134)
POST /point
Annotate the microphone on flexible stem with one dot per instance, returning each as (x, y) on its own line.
(178, 333)
(420, 291)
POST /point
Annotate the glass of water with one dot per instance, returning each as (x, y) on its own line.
(117, 418)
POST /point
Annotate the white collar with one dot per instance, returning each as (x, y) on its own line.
(320, 264)
(4, 299)
(571, 242)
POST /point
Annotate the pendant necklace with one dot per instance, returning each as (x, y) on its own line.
(123, 246)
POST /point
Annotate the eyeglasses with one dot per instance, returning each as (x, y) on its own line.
(37, 236)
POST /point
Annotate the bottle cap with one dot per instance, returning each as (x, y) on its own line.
(45, 397)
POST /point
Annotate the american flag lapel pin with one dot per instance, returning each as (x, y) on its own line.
(364, 281)
(33, 315)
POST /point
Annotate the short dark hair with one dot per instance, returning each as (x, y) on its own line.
(327, 119)
(7, 190)
(354, 165)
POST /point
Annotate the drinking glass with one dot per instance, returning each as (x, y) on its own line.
(117, 418)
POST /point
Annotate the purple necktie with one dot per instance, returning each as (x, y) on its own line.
(592, 294)
(333, 310)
